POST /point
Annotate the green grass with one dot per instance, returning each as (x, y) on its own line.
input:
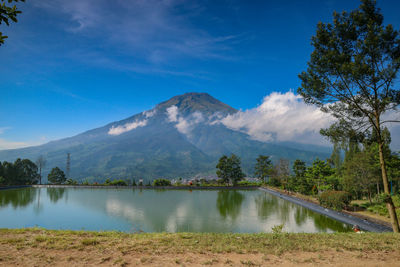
(380, 208)
(266, 243)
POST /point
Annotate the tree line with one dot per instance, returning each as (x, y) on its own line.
(26, 172)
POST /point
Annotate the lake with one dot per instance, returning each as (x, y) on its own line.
(135, 210)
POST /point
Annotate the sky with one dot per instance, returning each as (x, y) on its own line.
(71, 66)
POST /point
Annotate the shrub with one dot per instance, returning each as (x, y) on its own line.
(71, 182)
(249, 183)
(119, 182)
(162, 182)
(336, 200)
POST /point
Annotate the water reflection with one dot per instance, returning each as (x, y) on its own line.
(17, 197)
(55, 194)
(229, 203)
(157, 211)
(266, 205)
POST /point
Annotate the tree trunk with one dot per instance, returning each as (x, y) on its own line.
(377, 188)
(369, 196)
(389, 204)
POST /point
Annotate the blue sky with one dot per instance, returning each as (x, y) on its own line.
(70, 66)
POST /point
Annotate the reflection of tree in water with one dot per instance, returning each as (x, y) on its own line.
(266, 205)
(323, 224)
(229, 203)
(55, 194)
(301, 215)
(37, 207)
(18, 197)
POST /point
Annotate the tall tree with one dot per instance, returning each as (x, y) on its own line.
(318, 174)
(229, 169)
(223, 169)
(8, 13)
(56, 176)
(352, 73)
(263, 167)
(300, 182)
(41, 163)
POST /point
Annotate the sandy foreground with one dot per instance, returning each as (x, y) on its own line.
(37, 247)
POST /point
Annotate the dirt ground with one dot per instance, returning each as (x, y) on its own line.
(11, 256)
(39, 247)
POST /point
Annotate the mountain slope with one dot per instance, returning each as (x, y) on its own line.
(180, 137)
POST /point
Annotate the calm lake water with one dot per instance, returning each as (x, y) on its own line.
(134, 210)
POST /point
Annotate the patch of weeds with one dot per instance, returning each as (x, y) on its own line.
(248, 263)
(90, 242)
(146, 260)
(40, 239)
(277, 229)
(103, 260)
(178, 261)
(211, 262)
(228, 261)
(309, 260)
(265, 258)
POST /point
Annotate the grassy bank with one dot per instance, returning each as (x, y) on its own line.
(42, 247)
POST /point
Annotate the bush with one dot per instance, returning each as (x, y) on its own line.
(119, 182)
(249, 183)
(162, 182)
(71, 182)
(336, 200)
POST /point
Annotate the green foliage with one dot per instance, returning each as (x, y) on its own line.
(263, 167)
(249, 183)
(56, 176)
(21, 172)
(336, 200)
(378, 206)
(352, 75)
(162, 182)
(229, 169)
(8, 13)
(298, 182)
(277, 229)
(71, 182)
(318, 174)
(118, 183)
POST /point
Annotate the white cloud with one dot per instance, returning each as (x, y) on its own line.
(186, 125)
(126, 127)
(183, 124)
(149, 113)
(280, 117)
(172, 113)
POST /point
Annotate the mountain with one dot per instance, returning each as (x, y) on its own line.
(180, 137)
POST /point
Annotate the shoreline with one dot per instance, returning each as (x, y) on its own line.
(340, 216)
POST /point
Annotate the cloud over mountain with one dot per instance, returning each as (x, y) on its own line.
(126, 127)
(280, 117)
